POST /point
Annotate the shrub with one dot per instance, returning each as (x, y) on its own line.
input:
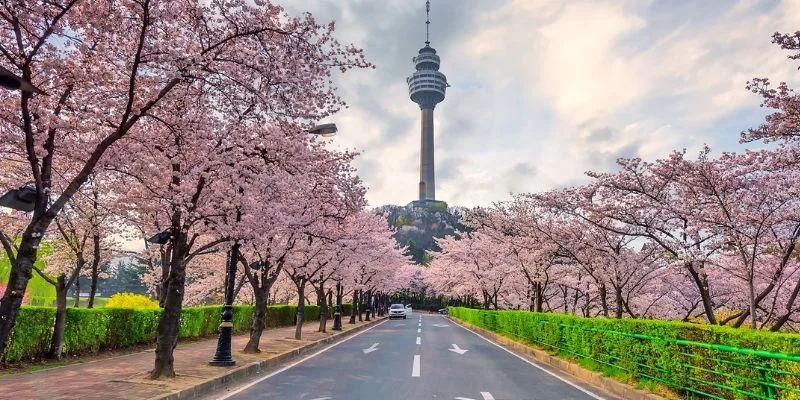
(723, 362)
(89, 330)
(130, 300)
(31, 335)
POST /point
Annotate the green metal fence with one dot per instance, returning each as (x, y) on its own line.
(694, 369)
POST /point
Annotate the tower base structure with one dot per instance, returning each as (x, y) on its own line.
(429, 204)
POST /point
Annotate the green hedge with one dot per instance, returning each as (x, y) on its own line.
(346, 309)
(702, 361)
(92, 330)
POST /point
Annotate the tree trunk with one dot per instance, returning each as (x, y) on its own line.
(165, 273)
(168, 326)
(752, 295)
(323, 308)
(532, 299)
(21, 273)
(619, 301)
(603, 300)
(369, 305)
(575, 299)
(539, 297)
(239, 286)
(77, 294)
(301, 309)
(57, 341)
(789, 309)
(95, 270)
(259, 320)
(354, 308)
(360, 304)
(701, 282)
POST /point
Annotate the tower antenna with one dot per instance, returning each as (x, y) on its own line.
(427, 22)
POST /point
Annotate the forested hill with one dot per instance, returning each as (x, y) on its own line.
(417, 227)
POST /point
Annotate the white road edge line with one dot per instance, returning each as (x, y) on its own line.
(270, 375)
(562, 379)
(487, 396)
(415, 367)
(418, 339)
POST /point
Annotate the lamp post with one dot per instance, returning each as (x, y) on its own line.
(223, 356)
(22, 199)
(337, 315)
(160, 237)
(324, 130)
(11, 81)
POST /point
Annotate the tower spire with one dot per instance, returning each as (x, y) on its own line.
(427, 22)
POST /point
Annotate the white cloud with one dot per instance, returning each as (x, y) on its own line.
(563, 87)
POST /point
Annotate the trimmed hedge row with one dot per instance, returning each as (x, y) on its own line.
(692, 359)
(95, 329)
(346, 309)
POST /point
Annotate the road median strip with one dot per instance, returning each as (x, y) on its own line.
(256, 368)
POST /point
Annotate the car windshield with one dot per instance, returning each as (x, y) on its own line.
(397, 306)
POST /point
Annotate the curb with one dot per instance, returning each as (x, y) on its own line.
(246, 371)
(566, 367)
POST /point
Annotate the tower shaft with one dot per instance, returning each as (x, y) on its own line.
(427, 178)
(427, 87)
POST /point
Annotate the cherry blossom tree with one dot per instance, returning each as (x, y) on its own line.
(109, 67)
(82, 241)
(648, 201)
(711, 239)
(263, 263)
(479, 261)
(782, 125)
(753, 206)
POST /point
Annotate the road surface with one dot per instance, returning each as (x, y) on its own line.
(423, 357)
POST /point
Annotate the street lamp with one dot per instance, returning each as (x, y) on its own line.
(223, 356)
(22, 199)
(11, 81)
(337, 314)
(324, 130)
(160, 237)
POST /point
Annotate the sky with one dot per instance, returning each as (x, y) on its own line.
(542, 91)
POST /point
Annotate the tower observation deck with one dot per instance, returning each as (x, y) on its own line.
(426, 87)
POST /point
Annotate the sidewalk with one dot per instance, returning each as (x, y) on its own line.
(126, 377)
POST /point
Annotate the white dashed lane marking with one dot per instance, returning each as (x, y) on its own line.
(415, 367)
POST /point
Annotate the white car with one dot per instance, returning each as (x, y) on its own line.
(408, 310)
(397, 311)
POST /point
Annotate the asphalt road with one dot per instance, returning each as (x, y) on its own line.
(422, 357)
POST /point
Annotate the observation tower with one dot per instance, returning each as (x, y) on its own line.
(426, 87)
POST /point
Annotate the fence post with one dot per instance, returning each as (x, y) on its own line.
(769, 391)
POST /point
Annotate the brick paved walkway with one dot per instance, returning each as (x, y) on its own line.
(125, 377)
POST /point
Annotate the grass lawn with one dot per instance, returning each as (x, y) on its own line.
(39, 291)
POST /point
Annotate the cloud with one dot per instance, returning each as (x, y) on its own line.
(543, 91)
